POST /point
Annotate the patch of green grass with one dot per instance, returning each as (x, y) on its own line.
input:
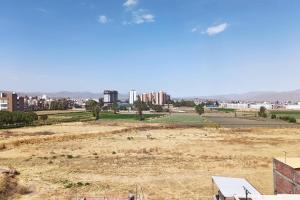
(88, 116)
(181, 119)
(112, 116)
(226, 110)
(287, 113)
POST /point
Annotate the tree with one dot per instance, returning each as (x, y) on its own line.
(139, 106)
(262, 112)
(96, 112)
(184, 103)
(101, 102)
(199, 109)
(90, 105)
(273, 116)
(157, 108)
(114, 107)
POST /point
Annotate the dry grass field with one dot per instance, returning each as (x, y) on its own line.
(168, 162)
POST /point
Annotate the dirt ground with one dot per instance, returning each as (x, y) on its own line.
(66, 160)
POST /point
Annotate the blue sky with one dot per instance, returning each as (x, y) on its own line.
(185, 47)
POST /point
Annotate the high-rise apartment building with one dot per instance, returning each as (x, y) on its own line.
(157, 98)
(110, 96)
(9, 101)
(132, 96)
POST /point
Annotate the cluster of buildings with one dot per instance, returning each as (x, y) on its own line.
(156, 98)
(11, 101)
(244, 106)
(286, 181)
(257, 106)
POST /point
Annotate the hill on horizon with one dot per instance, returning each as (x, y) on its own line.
(269, 96)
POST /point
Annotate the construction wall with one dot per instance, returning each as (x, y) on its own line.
(286, 178)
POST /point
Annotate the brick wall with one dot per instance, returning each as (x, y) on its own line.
(286, 179)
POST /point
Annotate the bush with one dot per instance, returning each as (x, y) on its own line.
(17, 118)
(273, 116)
(292, 120)
(199, 109)
(288, 119)
(184, 103)
(262, 112)
(157, 108)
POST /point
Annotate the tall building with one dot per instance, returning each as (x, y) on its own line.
(132, 96)
(157, 98)
(10, 101)
(110, 96)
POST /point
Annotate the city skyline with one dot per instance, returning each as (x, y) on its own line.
(199, 48)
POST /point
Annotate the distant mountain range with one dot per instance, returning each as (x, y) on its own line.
(269, 96)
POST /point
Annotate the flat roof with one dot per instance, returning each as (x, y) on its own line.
(293, 162)
(230, 187)
(277, 197)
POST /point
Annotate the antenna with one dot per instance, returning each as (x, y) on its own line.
(246, 192)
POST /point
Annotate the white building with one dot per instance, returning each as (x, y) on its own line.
(235, 105)
(132, 96)
(259, 105)
(293, 107)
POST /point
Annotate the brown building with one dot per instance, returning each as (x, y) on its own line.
(286, 172)
(10, 101)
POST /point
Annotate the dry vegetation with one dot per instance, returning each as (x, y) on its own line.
(60, 161)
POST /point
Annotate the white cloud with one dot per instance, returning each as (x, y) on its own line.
(142, 16)
(195, 29)
(102, 19)
(213, 30)
(130, 3)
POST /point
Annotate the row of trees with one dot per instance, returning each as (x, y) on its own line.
(17, 118)
(61, 104)
(184, 103)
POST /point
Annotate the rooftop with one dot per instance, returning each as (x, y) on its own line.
(277, 197)
(293, 162)
(230, 187)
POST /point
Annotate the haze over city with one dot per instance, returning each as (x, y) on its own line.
(202, 47)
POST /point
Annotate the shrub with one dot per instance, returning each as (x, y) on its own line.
(292, 120)
(273, 116)
(17, 118)
(288, 119)
(262, 112)
(70, 156)
(199, 109)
